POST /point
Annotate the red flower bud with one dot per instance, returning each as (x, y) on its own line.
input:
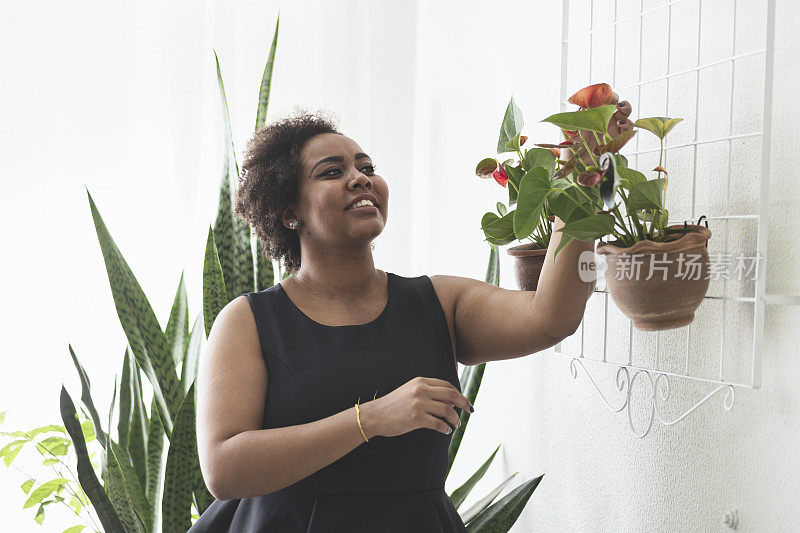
(596, 95)
(522, 139)
(500, 175)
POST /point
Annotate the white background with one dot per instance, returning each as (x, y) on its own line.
(123, 101)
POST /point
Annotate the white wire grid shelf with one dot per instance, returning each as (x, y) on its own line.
(734, 311)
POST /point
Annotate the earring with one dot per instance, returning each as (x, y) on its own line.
(372, 245)
(293, 224)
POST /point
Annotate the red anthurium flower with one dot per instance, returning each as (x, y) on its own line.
(595, 95)
(568, 142)
(556, 152)
(571, 133)
(500, 175)
(522, 139)
(589, 178)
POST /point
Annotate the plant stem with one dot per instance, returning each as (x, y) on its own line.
(622, 221)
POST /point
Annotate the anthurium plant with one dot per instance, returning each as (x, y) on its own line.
(587, 187)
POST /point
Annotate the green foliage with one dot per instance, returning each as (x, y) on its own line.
(658, 126)
(595, 119)
(510, 128)
(138, 489)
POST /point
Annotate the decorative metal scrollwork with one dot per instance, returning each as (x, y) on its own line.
(659, 386)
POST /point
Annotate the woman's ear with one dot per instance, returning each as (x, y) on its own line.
(287, 216)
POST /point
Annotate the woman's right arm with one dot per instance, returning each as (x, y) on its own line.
(240, 460)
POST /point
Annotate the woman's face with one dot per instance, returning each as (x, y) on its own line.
(334, 171)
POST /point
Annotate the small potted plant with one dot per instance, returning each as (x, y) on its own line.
(529, 220)
(506, 225)
(656, 273)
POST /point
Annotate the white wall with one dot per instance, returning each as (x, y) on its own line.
(123, 100)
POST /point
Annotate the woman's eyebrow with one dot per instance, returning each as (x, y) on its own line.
(338, 158)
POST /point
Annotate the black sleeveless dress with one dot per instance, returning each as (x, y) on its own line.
(386, 485)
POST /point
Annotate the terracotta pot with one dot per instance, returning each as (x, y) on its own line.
(670, 297)
(528, 263)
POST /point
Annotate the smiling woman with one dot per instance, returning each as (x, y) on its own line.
(285, 442)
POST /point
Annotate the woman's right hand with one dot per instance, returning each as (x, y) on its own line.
(417, 404)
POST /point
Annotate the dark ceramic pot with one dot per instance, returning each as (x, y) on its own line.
(678, 278)
(528, 263)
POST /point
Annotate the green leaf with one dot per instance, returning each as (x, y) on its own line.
(133, 487)
(501, 515)
(513, 144)
(86, 476)
(76, 504)
(214, 295)
(9, 451)
(86, 398)
(125, 406)
(182, 469)
(191, 356)
(26, 487)
(265, 273)
(514, 176)
(658, 126)
(3, 417)
(461, 493)
(669, 124)
(589, 228)
(486, 167)
(266, 80)
(117, 489)
(563, 204)
(533, 191)
(155, 465)
(74, 529)
(595, 119)
(39, 518)
(541, 157)
(53, 445)
(510, 127)
(177, 331)
(46, 429)
(629, 177)
(88, 430)
(498, 231)
(232, 234)
(137, 445)
(138, 320)
(501, 209)
(51, 461)
(470, 392)
(646, 195)
(44, 490)
(652, 124)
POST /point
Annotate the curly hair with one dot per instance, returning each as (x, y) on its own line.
(268, 182)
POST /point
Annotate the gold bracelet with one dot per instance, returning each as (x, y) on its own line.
(358, 418)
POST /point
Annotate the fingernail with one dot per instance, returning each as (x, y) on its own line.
(471, 408)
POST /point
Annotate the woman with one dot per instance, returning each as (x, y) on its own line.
(326, 402)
